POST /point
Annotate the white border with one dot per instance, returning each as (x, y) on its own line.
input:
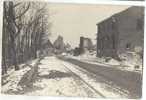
(133, 3)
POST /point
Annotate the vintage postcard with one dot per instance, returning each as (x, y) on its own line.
(72, 50)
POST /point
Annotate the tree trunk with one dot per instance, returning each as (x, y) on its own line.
(12, 29)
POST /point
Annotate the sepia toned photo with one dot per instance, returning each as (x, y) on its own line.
(72, 50)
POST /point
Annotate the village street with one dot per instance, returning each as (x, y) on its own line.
(61, 76)
(71, 50)
(124, 81)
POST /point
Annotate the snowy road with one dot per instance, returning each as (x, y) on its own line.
(56, 79)
(129, 83)
(60, 78)
(69, 77)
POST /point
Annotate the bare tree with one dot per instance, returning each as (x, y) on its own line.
(24, 27)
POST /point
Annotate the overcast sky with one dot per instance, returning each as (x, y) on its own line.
(74, 20)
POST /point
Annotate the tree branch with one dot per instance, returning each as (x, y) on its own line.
(16, 5)
(23, 12)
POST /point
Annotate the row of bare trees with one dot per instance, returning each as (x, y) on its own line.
(25, 24)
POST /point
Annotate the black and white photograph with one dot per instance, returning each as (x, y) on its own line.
(72, 50)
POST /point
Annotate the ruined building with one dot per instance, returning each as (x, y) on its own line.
(59, 45)
(121, 32)
(85, 44)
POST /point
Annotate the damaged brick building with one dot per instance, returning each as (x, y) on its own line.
(121, 32)
(85, 44)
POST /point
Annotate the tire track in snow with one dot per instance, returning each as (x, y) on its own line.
(111, 85)
(81, 79)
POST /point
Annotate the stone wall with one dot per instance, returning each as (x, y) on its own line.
(122, 31)
(107, 38)
(85, 44)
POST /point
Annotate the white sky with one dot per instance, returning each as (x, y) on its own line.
(74, 20)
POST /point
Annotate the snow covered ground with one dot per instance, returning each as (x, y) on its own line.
(130, 61)
(12, 78)
(97, 84)
(58, 78)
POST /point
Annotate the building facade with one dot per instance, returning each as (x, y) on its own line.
(85, 44)
(121, 32)
(59, 45)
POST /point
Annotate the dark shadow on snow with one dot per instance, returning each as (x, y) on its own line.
(55, 74)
